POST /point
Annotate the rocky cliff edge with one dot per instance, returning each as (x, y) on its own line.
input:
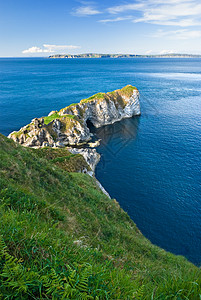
(68, 127)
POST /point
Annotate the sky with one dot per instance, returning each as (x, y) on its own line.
(30, 28)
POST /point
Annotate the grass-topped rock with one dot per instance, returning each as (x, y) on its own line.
(68, 126)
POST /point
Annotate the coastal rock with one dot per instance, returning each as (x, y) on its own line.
(91, 156)
(69, 126)
(95, 144)
(102, 189)
(58, 133)
(103, 109)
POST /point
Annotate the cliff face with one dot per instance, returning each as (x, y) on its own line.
(68, 127)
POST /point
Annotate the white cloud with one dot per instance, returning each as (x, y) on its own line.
(181, 34)
(34, 50)
(59, 47)
(149, 52)
(115, 19)
(49, 49)
(181, 13)
(166, 52)
(125, 7)
(159, 20)
(86, 11)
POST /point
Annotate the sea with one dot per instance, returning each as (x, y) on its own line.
(152, 163)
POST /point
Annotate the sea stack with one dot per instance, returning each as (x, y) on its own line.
(68, 127)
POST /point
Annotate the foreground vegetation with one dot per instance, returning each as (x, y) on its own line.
(62, 238)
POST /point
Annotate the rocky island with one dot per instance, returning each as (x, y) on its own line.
(97, 55)
(69, 126)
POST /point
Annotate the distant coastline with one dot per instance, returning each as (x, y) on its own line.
(97, 55)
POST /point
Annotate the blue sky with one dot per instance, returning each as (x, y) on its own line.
(45, 27)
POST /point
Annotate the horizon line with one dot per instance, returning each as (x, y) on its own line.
(99, 53)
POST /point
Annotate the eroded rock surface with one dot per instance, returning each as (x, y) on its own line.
(68, 127)
(91, 156)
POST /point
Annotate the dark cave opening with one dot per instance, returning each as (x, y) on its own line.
(90, 126)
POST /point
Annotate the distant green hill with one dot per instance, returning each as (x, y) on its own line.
(62, 238)
(97, 55)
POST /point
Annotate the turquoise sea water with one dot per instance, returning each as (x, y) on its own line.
(151, 164)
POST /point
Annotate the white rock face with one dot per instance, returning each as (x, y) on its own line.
(76, 134)
(68, 127)
(91, 156)
(37, 134)
(108, 110)
(102, 189)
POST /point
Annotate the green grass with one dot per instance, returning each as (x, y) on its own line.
(65, 160)
(97, 96)
(72, 117)
(18, 133)
(62, 238)
(72, 104)
(54, 116)
(24, 131)
(128, 90)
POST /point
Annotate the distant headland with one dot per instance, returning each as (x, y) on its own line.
(97, 55)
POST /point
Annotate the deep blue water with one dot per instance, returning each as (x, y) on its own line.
(151, 164)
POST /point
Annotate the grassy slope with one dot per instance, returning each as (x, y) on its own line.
(71, 241)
